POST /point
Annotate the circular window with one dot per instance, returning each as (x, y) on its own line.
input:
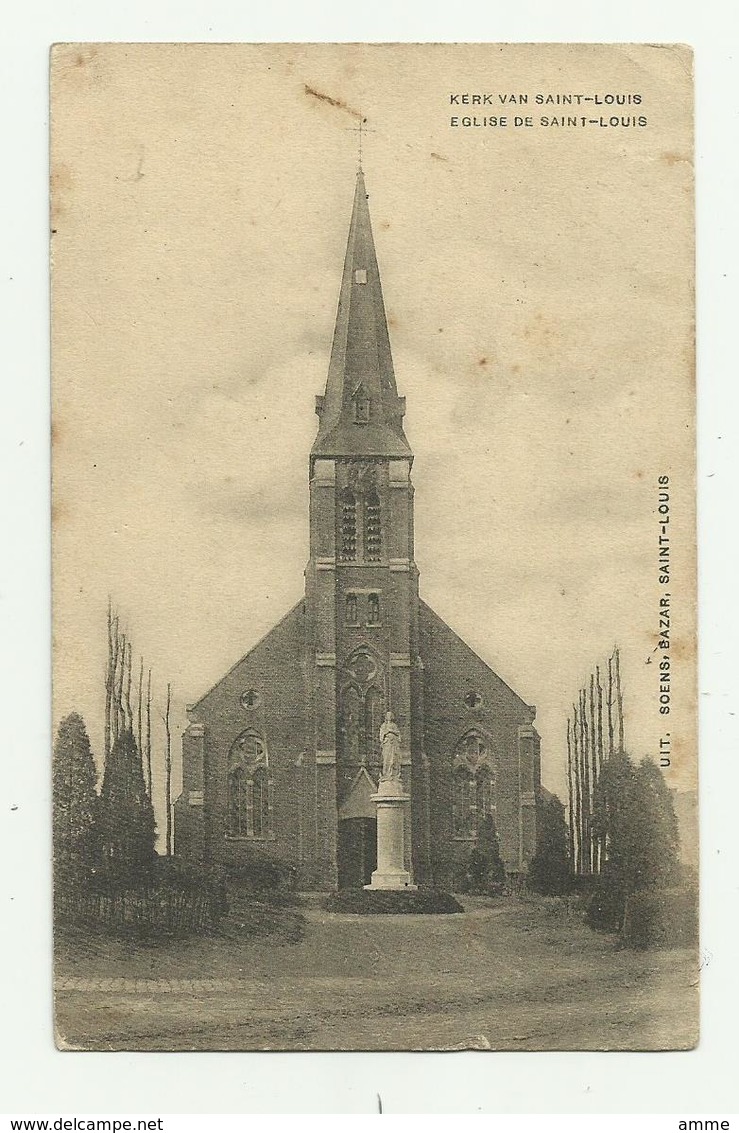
(250, 698)
(473, 699)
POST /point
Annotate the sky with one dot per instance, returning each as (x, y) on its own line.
(538, 285)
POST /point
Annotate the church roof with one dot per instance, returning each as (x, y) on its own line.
(360, 413)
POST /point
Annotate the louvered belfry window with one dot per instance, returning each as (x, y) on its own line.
(373, 533)
(348, 527)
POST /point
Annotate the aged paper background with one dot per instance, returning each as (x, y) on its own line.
(37, 1075)
(539, 286)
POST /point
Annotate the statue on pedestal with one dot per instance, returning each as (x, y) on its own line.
(390, 745)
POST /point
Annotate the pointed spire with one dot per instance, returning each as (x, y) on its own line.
(360, 412)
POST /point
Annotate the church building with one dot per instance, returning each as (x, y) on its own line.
(282, 756)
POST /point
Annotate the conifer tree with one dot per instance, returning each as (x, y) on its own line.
(635, 820)
(655, 859)
(127, 828)
(75, 803)
(549, 871)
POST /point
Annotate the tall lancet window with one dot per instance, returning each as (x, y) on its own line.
(372, 529)
(473, 785)
(260, 803)
(249, 788)
(237, 805)
(348, 549)
(463, 804)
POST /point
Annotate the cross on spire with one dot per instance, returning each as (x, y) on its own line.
(361, 129)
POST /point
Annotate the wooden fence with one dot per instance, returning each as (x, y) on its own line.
(170, 909)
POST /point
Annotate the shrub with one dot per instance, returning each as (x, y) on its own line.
(605, 906)
(261, 873)
(661, 918)
(549, 871)
(191, 878)
(367, 901)
(481, 871)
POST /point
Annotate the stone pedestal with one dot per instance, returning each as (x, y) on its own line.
(391, 873)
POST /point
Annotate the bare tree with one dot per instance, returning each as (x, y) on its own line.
(578, 788)
(609, 704)
(168, 773)
(587, 824)
(148, 733)
(115, 719)
(109, 681)
(571, 797)
(599, 726)
(600, 717)
(120, 710)
(127, 710)
(619, 700)
(588, 750)
(139, 710)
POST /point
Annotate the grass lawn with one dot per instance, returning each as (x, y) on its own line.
(507, 974)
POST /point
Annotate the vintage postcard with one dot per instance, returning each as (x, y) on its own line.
(374, 547)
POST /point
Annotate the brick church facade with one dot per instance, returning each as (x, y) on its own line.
(282, 755)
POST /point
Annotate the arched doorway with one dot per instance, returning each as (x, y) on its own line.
(356, 840)
(356, 852)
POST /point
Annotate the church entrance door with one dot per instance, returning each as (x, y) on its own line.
(356, 852)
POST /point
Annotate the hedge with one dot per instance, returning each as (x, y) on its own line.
(661, 918)
(367, 901)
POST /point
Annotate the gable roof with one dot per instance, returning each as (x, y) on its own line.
(435, 623)
(282, 625)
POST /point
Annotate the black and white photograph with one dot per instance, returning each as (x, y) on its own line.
(374, 547)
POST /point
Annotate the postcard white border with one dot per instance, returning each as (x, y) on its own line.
(38, 1079)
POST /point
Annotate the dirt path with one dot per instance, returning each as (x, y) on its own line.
(510, 977)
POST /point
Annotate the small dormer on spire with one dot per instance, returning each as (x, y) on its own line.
(360, 413)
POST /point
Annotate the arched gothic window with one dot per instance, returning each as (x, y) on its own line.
(249, 788)
(260, 803)
(348, 549)
(373, 609)
(362, 700)
(237, 802)
(352, 724)
(463, 804)
(372, 529)
(474, 785)
(351, 610)
(374, 704)
(485, 795)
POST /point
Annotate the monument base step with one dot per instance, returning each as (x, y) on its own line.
(396, 879)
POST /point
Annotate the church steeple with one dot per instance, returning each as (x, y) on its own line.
(360, 413)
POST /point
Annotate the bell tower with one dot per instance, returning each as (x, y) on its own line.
(361, 578)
